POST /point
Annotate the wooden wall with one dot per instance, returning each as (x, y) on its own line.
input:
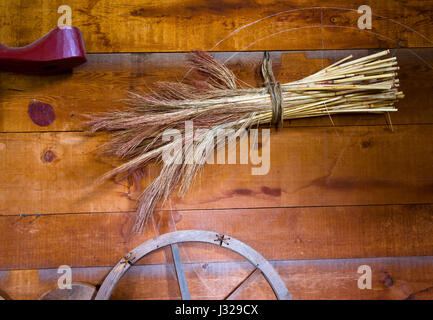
(336, 197)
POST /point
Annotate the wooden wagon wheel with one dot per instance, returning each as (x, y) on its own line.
(172, 239)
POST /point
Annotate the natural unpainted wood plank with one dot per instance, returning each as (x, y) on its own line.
(231, 25)
(55, 172)
(90, 240)
(54, 160)
(77, 291)
(392, 278)
(103, 83)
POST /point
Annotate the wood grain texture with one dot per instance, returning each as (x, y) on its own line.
(102, 85)
(92, 240)
(78, 291)
(55, 172)
(147, 26)
(334, 199)
(393, 278)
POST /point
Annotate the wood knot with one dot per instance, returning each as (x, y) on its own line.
(41, 113)
(48, 156)
(387, 281)
(366, 144)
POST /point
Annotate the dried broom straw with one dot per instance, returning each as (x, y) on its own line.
(367, 84)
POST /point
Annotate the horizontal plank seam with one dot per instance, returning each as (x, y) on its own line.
(220, 209)
(284, 127)
(426, 47)
(54, 131)
(295, 261)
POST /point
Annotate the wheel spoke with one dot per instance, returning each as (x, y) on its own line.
(181, 279)
(245, 283)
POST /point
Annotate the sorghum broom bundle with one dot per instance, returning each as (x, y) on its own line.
(216, 101)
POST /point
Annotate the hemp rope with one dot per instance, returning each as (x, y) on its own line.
(274, 90)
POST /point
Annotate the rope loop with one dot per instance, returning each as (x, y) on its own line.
(274, 90)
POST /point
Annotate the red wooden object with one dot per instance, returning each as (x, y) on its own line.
(60, 50)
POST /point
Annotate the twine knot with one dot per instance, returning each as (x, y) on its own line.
(274, 90)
